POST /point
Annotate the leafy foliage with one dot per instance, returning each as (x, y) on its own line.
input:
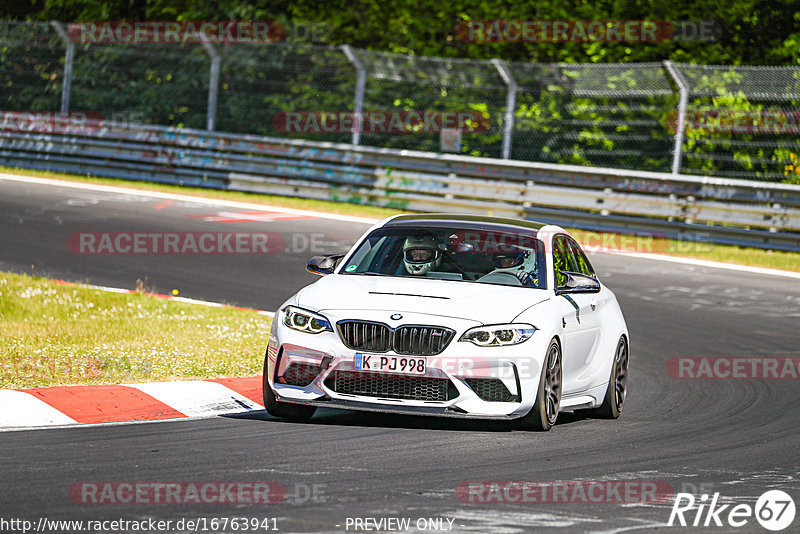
(755, 32)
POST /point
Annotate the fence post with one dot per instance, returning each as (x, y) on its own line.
(511, 103)
(213, 85)
(70, 54)
(361, 80)
(680, 123)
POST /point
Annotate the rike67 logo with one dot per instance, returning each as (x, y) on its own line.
(774, 510)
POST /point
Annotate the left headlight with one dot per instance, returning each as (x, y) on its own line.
(305, 321)
(498, 335)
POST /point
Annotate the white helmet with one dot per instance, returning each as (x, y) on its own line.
(421, 254)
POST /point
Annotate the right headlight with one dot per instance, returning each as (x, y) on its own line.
(499, 335)
(305, 321)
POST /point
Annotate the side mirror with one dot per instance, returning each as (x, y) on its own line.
(323, 265)
(577, 283)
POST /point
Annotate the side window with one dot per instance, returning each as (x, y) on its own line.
(581, 261)
(561, 259)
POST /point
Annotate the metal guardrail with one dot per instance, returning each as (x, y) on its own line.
(689, 207)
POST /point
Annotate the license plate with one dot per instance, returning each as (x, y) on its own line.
(407, 365)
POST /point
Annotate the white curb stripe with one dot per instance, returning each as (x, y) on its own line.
(198, 398)
(20, 409)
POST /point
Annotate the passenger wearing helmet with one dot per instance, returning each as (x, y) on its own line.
(421, 254)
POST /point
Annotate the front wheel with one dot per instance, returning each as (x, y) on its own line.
(283, 410)
(548, 398)
(617, 385)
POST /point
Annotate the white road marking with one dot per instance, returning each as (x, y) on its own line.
(184, 198)
(20, 409)
(248, 216)
(708, 263)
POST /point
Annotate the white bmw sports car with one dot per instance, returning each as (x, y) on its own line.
(451, 315)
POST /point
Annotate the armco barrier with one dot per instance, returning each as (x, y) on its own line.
(721, 210)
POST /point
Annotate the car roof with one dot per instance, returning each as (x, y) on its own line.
(405, 220)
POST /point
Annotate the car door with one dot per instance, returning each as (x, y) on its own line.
(579, 316)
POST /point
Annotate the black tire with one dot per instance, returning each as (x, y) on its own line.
(544, 412)
(617, 385)
(284, 410)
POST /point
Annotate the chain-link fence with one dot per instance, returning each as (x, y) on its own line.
(742, 122)
(738, 122)
(31, 67)
(602, 115)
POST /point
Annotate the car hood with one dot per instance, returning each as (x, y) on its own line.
(484, 303)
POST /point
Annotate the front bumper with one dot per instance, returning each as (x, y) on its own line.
(400, 409)
(463, 381)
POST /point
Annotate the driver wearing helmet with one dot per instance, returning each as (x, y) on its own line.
(516, 260)
(421, 254)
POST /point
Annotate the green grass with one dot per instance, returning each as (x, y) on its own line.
(54, 334)
(753, 257)
(789, 261)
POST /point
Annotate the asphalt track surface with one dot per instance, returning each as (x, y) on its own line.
(736, 437)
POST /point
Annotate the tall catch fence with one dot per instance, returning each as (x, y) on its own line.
(739, 122)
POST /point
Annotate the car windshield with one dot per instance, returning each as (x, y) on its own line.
(479, 255)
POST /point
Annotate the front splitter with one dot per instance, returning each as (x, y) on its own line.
(437, 411)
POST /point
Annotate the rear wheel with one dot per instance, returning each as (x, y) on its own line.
(284, 410)
(544, 413)
(617, 385)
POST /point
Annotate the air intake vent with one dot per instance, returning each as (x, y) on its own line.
(300, 374)
(421, 340)
(491, 389)
(389, 387)
(366, 336)
(417, 340)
